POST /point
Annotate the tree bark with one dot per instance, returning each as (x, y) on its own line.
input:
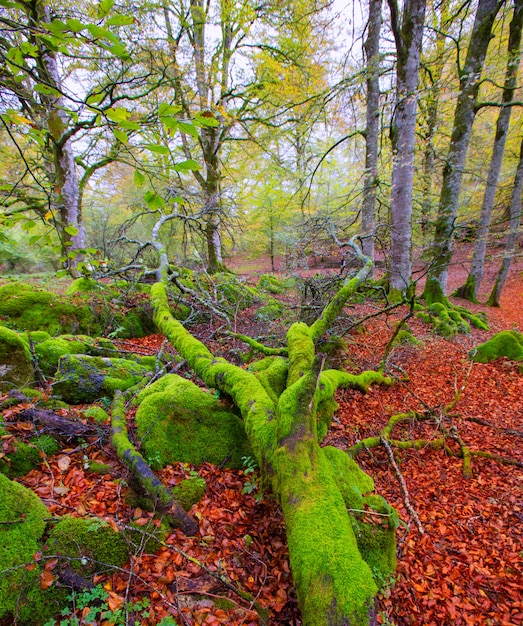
(436, 285)
(370, 185)
(510, 246)
(470, 289)
(408, 39)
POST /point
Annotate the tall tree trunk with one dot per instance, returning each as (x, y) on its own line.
(470, 289)
(408, 39)
(370, 185)
(441, 25)
(510, 246)
(436, 285)
(61, 166)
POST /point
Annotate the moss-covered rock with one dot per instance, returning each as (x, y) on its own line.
(449, 319)
(82, 379)
(508, 343)
(20, 458)
(178, 421)
(189, 491)
(16, 369)
(91, 544)
(22, 517)
(50, 350)
(27, 308)
(97, 414)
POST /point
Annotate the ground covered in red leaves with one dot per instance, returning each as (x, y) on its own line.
(464, 568)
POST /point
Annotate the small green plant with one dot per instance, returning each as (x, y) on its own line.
(96, 600)
(251, 486)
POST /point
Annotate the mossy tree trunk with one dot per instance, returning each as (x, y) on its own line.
(334, 584)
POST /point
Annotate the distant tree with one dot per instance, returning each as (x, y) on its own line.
(470, 289)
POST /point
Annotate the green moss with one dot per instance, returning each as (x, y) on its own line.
(30, 309)
(83, 285)
(508, 343)
(352, 481)
(189, 492)
(271, 311)
(178, 421)
(375, 531)
(50, 350)
(98, 468)
(301, 351)
(97, 414)
(405, 337)
(16, 369)
(91, 544)
(272, 373)
(36, 336)
(22, 517)
(83, 379)
(27, 456)
(272, 284)
(449, 319)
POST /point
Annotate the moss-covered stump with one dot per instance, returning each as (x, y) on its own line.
(81, 379)
(49, 351)
(178, 421)
(89, 545)
(28, 308)
(16, 370)
(449, 319)
(19, 458)
(22, 525)
(508, 343)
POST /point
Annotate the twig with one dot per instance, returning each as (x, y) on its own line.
(403, 486)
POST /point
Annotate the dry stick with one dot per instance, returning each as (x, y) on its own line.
(505, 431)
(403, 486)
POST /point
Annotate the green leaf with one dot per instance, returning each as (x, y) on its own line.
(187, 166)
(62, 273)
(98, 32)
(188, 129)
(28, 225)
(46, 90)
(156, 147)
(170, 122)
(71, 230)
(129, 125)
(75, 25)
(168, 109)
(121, 136)
(104, 7)
(117, 115)
(95, 98)
(205, 119)
(139, 178)
(153, 200)
(33, 239)
(120, 20)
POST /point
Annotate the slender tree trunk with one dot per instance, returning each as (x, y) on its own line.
(510, 247)
(62, 167)
(465, 112)
(408, 39)
(470, 289)
(432, 108)
(370, 185)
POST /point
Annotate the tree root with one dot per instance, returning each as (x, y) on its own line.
(449, 319)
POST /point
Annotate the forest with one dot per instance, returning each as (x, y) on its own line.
(260, 306)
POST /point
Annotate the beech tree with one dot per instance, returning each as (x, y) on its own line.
(408, 32)
(465, 111)
(470, 289)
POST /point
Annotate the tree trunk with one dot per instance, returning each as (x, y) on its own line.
(464, 114)
(408, 39)
(510, 246)
(334, 583)
(470, 289)
(370, 185)
(62, 167)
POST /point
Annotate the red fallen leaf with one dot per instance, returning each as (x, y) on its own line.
(114, 601)
(46, 579)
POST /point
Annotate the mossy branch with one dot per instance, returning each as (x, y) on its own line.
(141, 471)
(257, 346)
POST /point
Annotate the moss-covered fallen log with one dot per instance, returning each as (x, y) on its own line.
(281, 402)
(143, 474)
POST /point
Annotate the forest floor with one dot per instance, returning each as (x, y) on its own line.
(467, 566)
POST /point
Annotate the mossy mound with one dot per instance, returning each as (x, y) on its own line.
(97, 414)
(189, 491)
(81, 379)
(22, 517)
(91, 544)
(273, 284)
(178, 421)
(28, 308)
(16, 369)
(22, 457)
(50, 350)
(449, 319)
(508, 343)
(406, 338)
